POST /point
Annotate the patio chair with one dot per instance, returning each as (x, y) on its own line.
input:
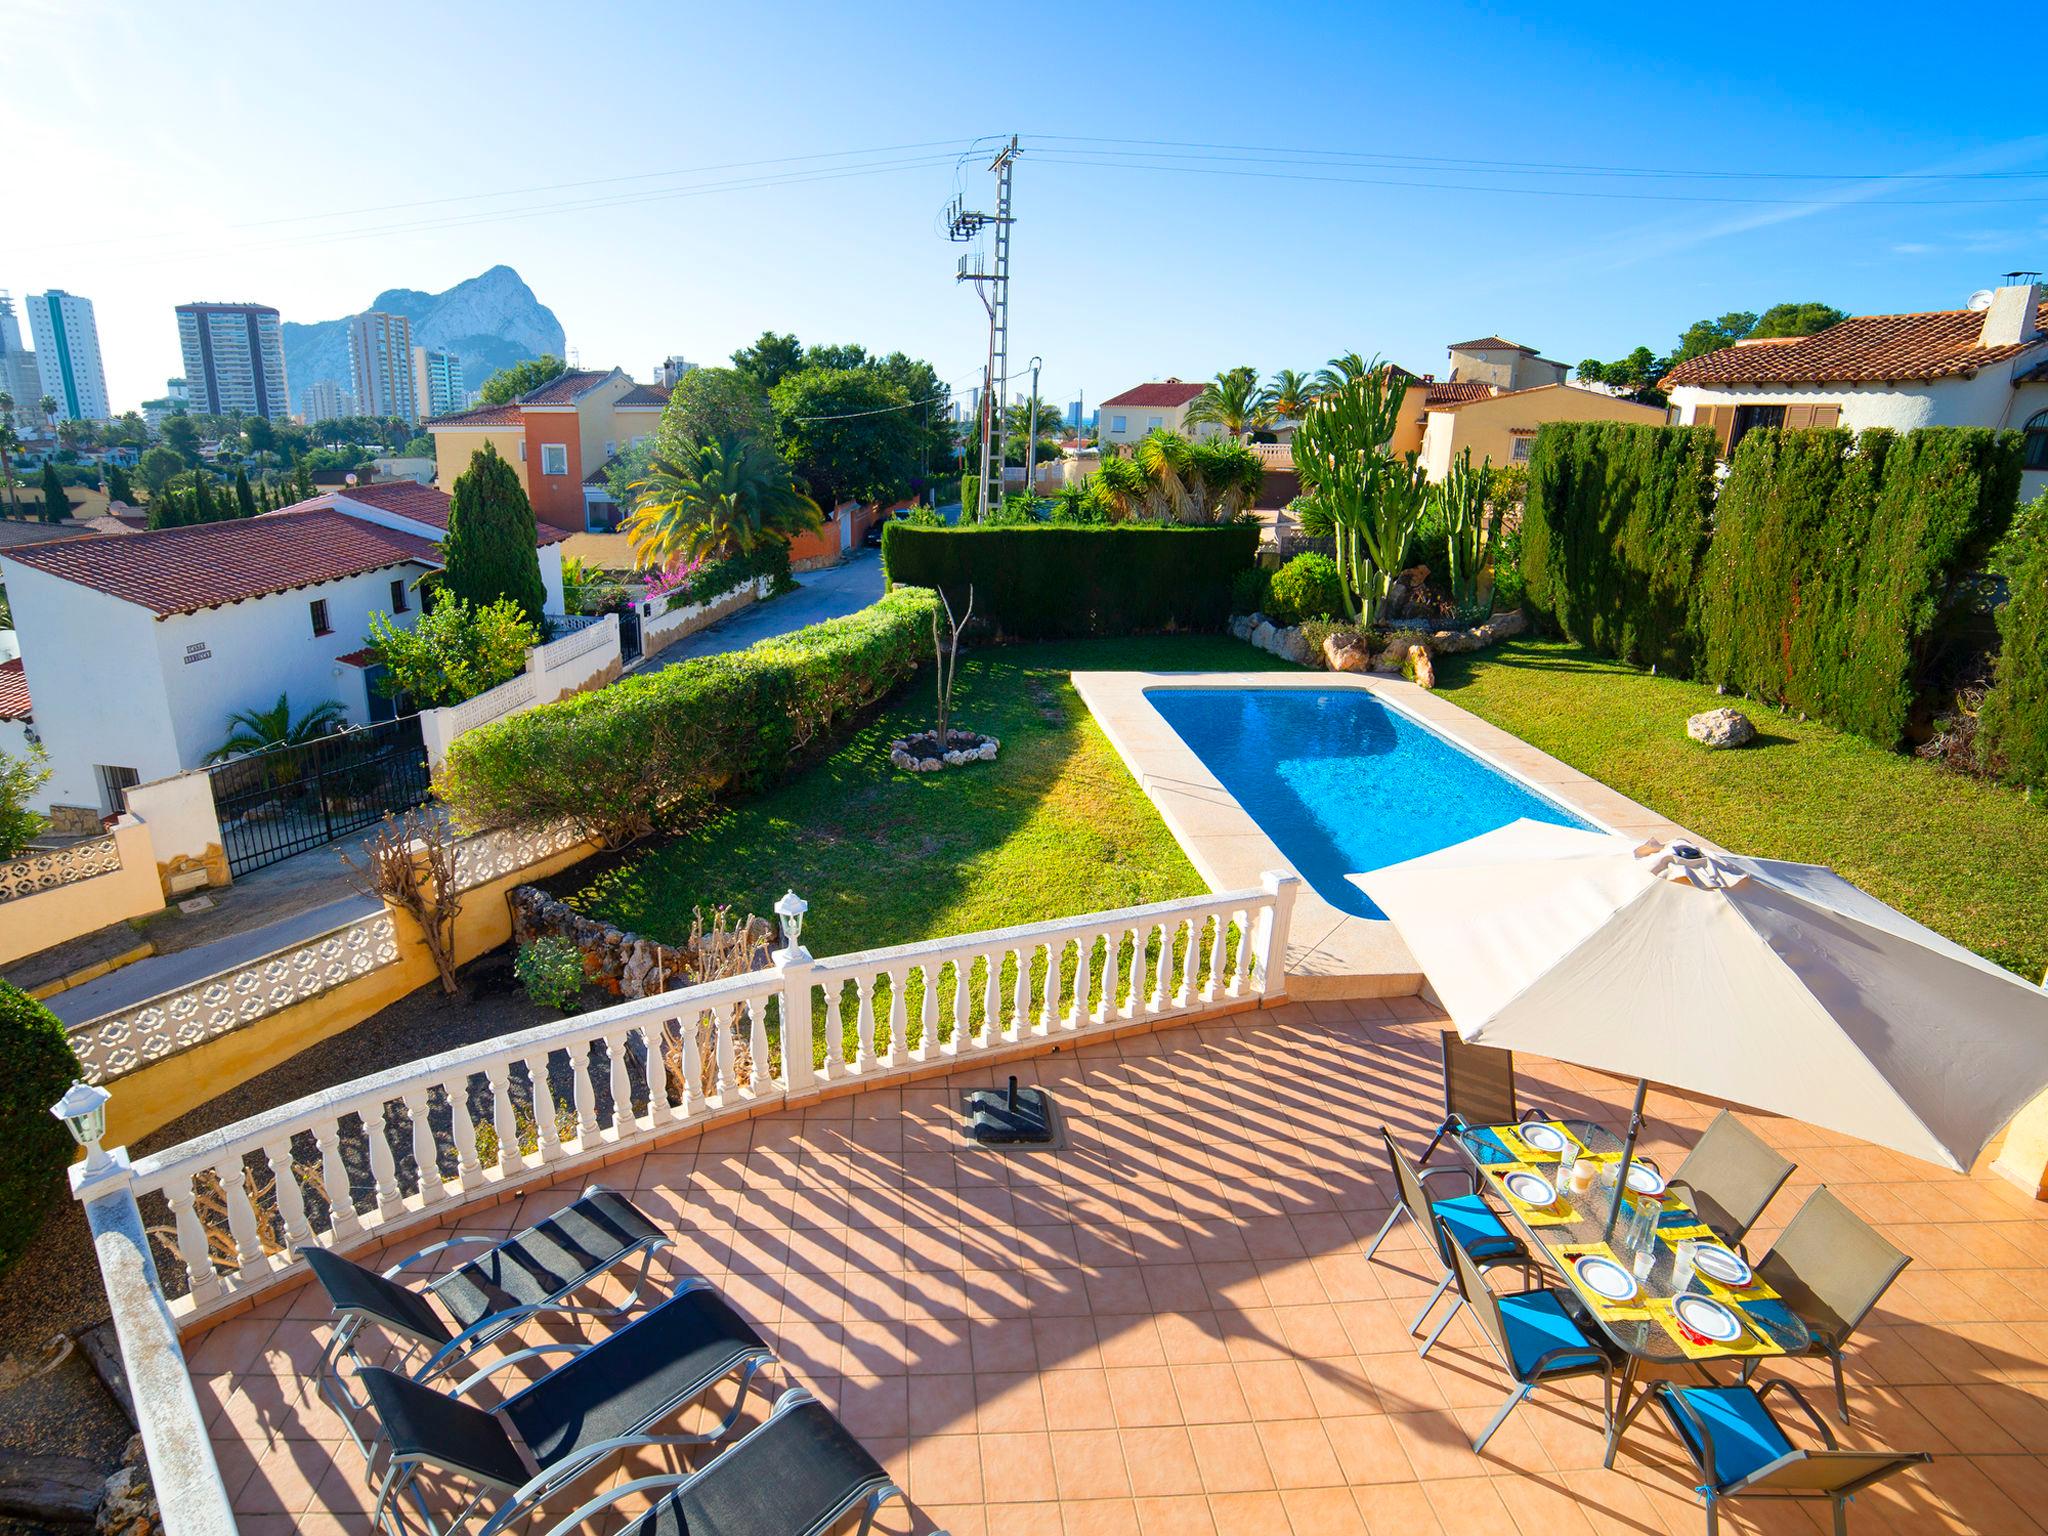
(1831, 1268)
(451, 1317)
(1466, 1217)
(1541, 1335)
(1730, 1176)
(1479, 1089)
(1741, 1451)
(595, 1405)
(798, 1471)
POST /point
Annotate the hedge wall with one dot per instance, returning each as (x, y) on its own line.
(666, 744)
(1832, 556)
(1055, 581)
(2014, 719)
(1613, 531)
(36, 1066)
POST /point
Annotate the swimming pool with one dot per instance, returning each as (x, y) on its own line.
(1343, 784)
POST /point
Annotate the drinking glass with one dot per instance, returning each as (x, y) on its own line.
(1644, 1224)
(1565, 1161)
(1682, 1265)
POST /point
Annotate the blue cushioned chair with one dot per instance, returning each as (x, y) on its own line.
(1465, 1218)
(1741, 1451)
(1539, 1334)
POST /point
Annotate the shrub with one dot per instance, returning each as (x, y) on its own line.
(551, 970)
(664, 745)
(455, 651)
(1306, 587)
(1248, 589)
(20, 777)
(1834, 558)
(1614, 529)
(2014, 720)
(36, 1066)
(1050, 580)
(1316, 631)
(770, 558)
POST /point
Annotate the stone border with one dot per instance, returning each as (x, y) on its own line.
(1332, 953)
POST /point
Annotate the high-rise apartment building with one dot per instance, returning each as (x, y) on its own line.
(326, 400)
(18, 376)
(380, 365)
(437, 382)
(67, 341)
(234, 359)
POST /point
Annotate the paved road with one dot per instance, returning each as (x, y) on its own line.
(828, 594)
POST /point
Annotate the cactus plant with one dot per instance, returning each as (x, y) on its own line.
(1461, 499)
(1373, 500)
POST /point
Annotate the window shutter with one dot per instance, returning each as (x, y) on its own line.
(1721, 418)
(1827, 415)
(1798, 417)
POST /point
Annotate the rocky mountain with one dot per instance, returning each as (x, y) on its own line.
(489, 321)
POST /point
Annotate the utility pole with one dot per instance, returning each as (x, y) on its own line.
(1031, 435)
(993, 287)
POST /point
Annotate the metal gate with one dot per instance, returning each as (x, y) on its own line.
(278, 803)
(629, 633)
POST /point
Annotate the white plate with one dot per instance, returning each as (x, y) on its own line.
(1708, 1318)
(1544, 1138)
(1603, 1277)
(1644, 1179)
(1722, 1264)
(1531, 1189)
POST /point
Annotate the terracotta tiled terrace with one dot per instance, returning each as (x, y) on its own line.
(1168, 1325)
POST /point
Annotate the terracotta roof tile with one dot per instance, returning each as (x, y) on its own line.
(14, 699)
(1491, 344)
(1166, 392)
(2038, 374)
(1455, 392)
(1863, 349)
(644, 395)
(182, 570)
(407, 498)
(506, 415)
(565, 388)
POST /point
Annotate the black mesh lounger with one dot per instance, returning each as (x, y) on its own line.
(798, 1474)
(599, 1402)
(451, 1317)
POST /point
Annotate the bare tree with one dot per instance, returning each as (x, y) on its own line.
(410, 864)
(947, 654)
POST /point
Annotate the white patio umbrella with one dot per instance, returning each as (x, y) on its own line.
(1773, 985)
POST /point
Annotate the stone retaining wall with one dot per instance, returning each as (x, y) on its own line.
(621, 963)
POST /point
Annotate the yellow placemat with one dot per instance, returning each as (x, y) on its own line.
(1749, 1344)
(1555, 1215)
(1677, 1235)
(1631, 1311)
(1510, 1137)
(1756, 1290)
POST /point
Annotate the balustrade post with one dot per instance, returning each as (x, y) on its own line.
(1274, 922)
(794, 965)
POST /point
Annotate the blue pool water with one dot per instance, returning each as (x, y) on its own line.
(1343, 784)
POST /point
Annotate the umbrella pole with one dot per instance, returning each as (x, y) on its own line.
(1628, 1152)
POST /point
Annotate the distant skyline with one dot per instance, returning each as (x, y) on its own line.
(1201, 186)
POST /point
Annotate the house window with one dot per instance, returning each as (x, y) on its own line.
(554, 458)
(398, 595)
(1116, 424)
(522, 450)
(114, 783)
(600, 514)
(1523, 447)
(611, 447)
(1750, 417)
(2037, 441)
(319, 611)
(1155, 423)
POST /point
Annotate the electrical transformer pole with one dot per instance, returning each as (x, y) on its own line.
(993, 287)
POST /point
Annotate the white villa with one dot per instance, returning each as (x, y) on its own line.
(135, 649)
(1977, 367)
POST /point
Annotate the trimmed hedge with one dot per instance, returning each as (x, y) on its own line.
(2014, 719)
(36, 1066)
(1053, 581)
(663, 745)
(1615, 525)
(769, 558)
(1832, 558)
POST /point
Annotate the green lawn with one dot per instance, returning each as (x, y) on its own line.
(1054, 827)
(1970, 860)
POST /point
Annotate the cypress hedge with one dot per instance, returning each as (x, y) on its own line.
(661, 746)
(1832, 557)
(1053, 581)
(2014, 719)
(36, 1066)
(1613, 532)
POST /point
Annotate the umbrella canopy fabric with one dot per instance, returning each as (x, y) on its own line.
(1773, 985)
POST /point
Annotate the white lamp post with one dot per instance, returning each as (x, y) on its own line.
(83, 1109)
(790, 910)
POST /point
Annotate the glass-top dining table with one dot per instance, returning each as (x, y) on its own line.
(1645, 1329)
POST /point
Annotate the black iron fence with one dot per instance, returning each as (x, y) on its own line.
(278, 803)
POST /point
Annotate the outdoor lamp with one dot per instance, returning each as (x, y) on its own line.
(791, 909)
(83, 1109)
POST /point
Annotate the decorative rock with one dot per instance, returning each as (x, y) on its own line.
(1718, 728)
(1423, 667)
(1262, 634)
(623, 964)
(1241, 625)
(1395, 657)
(1292, 645)
(129, 1507)
(1346, 652)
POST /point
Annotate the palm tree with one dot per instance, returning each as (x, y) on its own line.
(1234, 400)
(1339, 372)
(1230, 475)
(1162, 458)
(257, 730)
(1291, 392)
(48, 406)
(717, 498)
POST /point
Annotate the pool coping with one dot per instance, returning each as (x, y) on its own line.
(1330, 953)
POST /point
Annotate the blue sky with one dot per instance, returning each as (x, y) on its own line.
(262, 152)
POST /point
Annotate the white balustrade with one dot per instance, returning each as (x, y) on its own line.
(704, 1051)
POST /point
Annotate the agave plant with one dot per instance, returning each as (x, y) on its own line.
(1162, 457)
(1234, 400)
(1461, 499)
(258, 730)
(717, 498)
(1372, 499)
(1290, 392)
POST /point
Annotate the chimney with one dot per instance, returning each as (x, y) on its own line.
(2014, 316)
